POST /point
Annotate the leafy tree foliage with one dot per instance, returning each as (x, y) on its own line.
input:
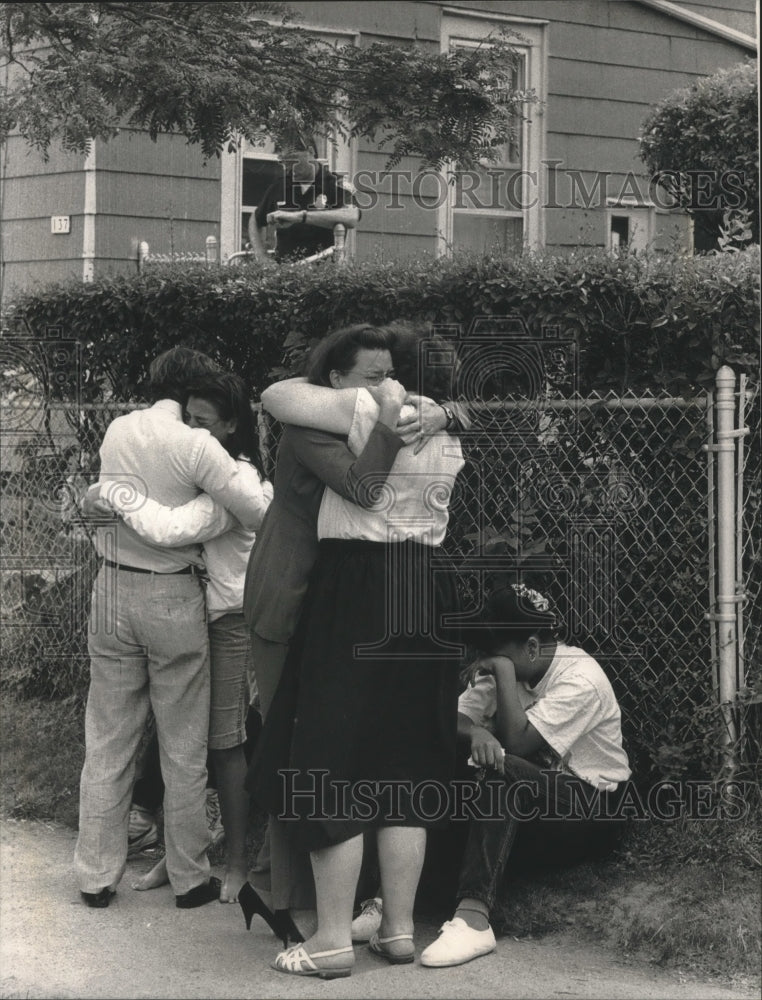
(703, 141)
(217, 72)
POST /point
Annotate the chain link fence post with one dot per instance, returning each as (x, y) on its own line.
(725, 613)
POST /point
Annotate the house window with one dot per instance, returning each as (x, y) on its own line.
(257, 174)
(619, 235)
(495, 208)
(480, 231)
(630, 227)
(247, 173)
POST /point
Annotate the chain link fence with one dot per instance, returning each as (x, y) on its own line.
(603, 504)
(749, 571)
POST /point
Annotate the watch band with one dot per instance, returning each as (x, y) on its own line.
(451, 419)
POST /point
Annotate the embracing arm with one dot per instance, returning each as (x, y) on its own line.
(428, 417)
(194, 522)
(296, 401)
(219, 475)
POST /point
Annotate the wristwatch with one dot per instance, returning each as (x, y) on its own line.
(451, 418)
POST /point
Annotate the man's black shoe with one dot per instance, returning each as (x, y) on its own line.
(207, 892)
(99, 900)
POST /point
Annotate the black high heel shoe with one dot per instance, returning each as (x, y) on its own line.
(280, 922)
(287, 929)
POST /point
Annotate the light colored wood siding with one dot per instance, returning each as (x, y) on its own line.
(160, 192)
(736, 14)
(391, 246)
(400, 19)
(32, 191)
(26, 276)
(609, 62)
(394, 202)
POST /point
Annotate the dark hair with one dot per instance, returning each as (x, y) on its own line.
(172, 371)
(489, 640)
(228, 394)
(338, 351)
(424, 362)
(511, 617)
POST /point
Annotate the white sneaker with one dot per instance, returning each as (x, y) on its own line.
(368, 921)
(458, 943)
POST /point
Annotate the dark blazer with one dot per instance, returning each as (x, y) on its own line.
(286, 547)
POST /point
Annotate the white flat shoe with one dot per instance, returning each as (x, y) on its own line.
(458, 943)
(298, 962)
(376, 945)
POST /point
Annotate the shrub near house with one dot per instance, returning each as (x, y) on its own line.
(640, 322)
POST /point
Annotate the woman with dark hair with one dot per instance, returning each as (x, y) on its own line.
(219, 404)
(372, 674)
(308, 461)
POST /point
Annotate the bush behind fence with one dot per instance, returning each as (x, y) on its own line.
(601, 502)
(606, 503)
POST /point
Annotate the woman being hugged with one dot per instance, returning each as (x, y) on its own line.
(368, 697)
(219, 404)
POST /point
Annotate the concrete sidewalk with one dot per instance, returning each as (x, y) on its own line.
(52, 946)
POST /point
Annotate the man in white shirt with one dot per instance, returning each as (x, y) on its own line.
(542, 716)
(148, 642)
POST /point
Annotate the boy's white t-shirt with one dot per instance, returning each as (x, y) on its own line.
(573, 708)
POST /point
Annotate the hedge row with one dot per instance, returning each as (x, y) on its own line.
(641, 322)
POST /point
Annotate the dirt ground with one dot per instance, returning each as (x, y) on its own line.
(52, 946)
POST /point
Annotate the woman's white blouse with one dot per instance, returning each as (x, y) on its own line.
(413, 503)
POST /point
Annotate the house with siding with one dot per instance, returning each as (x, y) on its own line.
(573, 177)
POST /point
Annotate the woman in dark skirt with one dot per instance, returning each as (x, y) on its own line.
(361, 732)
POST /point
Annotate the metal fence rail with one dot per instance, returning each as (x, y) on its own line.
(605, 504)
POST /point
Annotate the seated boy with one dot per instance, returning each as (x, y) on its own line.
(543, 721)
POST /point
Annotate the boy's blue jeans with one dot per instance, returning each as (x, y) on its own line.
(551, 817)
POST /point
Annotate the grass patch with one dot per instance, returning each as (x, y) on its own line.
(684, 894)
(42, 749)
(703, 916)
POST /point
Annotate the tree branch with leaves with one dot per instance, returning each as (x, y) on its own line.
(218, 73)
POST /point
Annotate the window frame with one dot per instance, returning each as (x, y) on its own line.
(471, 27)
(641, 223)
(343, 156)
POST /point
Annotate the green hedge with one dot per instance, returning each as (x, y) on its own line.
(641, 321)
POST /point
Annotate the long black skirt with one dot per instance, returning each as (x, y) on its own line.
(362, 729)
